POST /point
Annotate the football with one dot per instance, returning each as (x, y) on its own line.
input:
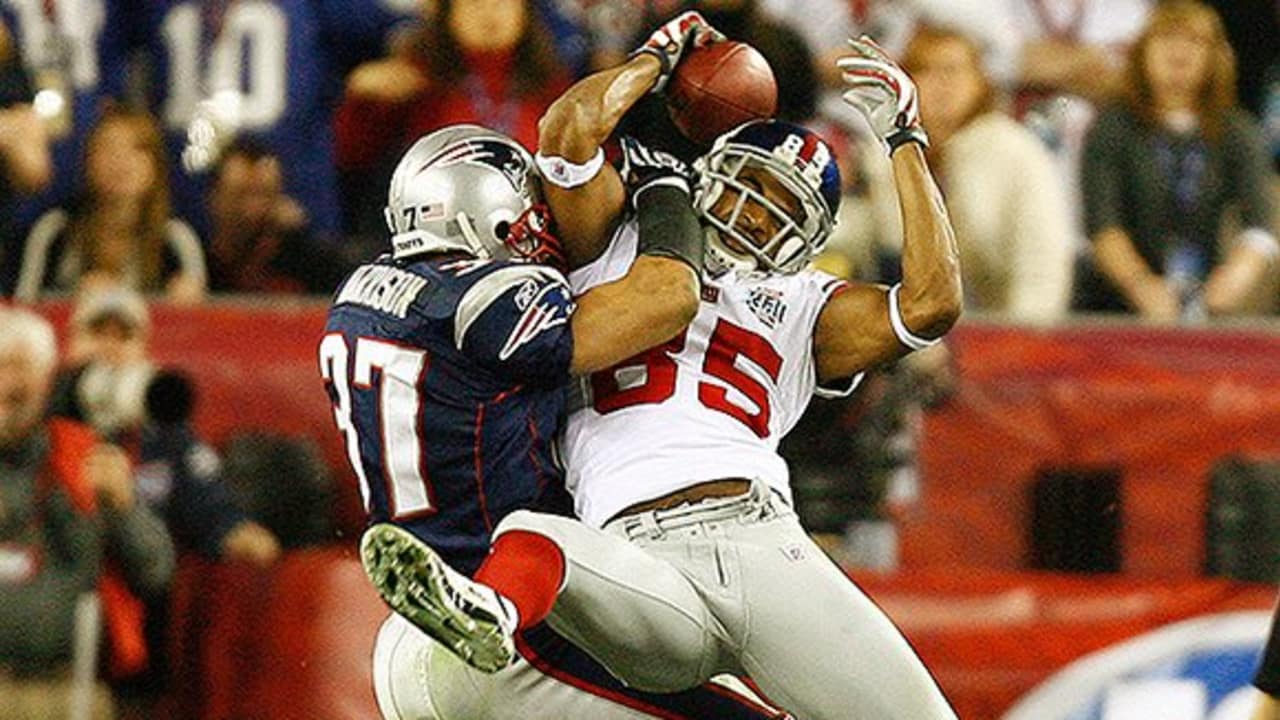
(718, 87)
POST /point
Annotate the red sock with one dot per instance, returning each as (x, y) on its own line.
(528, 569)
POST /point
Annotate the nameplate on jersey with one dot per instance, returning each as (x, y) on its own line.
(382, 288)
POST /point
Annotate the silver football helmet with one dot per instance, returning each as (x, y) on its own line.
(460, 188)
(801, 162)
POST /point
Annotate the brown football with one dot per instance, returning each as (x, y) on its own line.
(718, 87)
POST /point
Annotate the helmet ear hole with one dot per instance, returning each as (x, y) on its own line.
(502, 229)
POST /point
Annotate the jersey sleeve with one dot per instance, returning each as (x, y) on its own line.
(515, 321)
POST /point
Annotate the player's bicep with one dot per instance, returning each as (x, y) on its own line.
(854, 333)
(587, 215)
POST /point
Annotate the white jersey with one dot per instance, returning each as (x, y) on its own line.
(710, 404)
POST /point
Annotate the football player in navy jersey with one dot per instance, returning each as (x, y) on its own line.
(446, 362)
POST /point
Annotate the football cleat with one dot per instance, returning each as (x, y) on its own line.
(468, 618)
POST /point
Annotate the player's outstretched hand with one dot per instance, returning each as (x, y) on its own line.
(675, 39)
(644, 167)
(881, 90)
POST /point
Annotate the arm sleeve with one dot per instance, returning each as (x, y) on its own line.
(1100, 178)
(202, 509)
(516, 322)
(138, 541)
(1040, 279)
(1252, 176)
(37, 617)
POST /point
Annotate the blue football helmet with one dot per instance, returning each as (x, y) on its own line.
(804, 165)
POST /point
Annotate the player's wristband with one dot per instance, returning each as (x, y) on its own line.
(567, 174)
(664, 66)
(904, 333)
(914, 134)
(668, 225)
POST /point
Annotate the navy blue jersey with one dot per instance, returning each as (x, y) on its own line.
(447, 378)
(284, 61)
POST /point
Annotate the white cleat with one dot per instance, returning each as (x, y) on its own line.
(470, 619)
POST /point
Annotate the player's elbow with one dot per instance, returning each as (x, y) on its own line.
(934, 313)
(672, 290)
(567, 127)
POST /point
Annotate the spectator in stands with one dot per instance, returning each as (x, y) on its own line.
(480, 61)
(119, 232)
(483, 61)
(1007, 201)
(260, 240)
(108, 368)
(77, 56)
(1162, 168)
(25, 163)
(66, 506)
(114, 385)
(270, 70)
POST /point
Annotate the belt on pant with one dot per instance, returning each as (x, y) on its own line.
(706, 502)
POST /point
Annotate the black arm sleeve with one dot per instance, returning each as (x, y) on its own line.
(668, 225)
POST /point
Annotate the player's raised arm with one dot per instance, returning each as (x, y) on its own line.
(923, 307)
(658, 297)
(584, 192)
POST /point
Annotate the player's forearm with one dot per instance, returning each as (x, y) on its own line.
(650, 305)
(580, 120)
(931, 297)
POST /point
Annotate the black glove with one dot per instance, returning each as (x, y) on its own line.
(644, 167)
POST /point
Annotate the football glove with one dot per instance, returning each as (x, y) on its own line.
(879, 89)
(643, 167)
(676, 38)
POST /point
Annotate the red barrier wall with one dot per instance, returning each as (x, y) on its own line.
(1160, 404)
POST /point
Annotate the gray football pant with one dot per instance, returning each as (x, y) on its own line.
(667, 599)
(416, 678)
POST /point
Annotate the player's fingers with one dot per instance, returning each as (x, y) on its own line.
(874, 50)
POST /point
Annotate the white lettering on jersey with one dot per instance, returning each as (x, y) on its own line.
(383, 288)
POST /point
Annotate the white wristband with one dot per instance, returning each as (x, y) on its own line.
(568, 175)
(905, 336)
(1262, 241)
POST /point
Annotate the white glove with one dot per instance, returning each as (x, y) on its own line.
(882, 91)
(676, 38)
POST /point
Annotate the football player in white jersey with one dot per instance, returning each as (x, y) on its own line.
(689, 560)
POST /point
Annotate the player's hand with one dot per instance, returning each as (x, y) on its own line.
(881, 90)
(642, 167)
(675, 39)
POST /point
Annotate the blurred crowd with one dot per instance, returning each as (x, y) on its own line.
(1097, 156)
